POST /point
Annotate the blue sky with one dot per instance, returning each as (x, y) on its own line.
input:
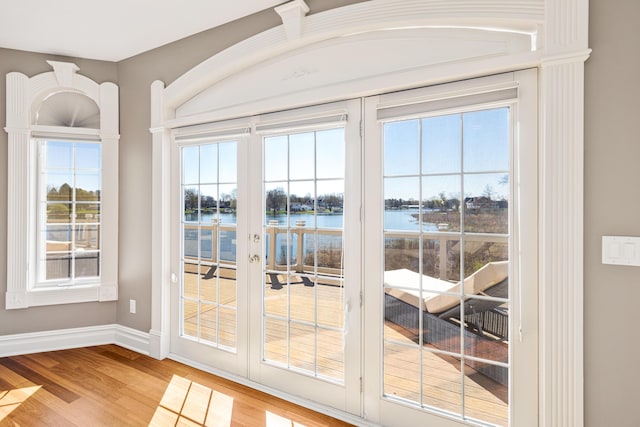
(59, 158)
(444, 152)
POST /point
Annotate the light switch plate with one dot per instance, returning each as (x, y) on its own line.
(621, 250)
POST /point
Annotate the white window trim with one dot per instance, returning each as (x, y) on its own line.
(24, 96)
(560, 31)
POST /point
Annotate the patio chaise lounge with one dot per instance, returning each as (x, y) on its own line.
(485, 323)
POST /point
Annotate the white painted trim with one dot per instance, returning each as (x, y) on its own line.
(518, 16)
(132, 339)
(24, 97)
(561, 213)
(160, 221)
(561, 43)
(37, 342)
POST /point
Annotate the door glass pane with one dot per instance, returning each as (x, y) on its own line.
(446, 263)
(402, 148)
(301, 166)
(330, 153)
(401, 368)
(208, 226)
(441, 144)
(303, 321)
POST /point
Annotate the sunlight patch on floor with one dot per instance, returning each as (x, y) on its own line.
(11, 399)
(274, 420)
(191, 404)
(187, 403)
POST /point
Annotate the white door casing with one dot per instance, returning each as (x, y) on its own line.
(509, 35)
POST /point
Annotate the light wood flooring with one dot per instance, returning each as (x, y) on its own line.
(112, 386)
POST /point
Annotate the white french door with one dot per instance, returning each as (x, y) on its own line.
(306, 285)
(268, 225)
(209, 292)
(376, 255)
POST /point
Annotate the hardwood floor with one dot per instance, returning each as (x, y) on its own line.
(112, 386)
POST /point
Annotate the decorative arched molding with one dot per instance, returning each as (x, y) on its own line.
(558, 34)
(503, 16)
(25, 97)
(328, 70)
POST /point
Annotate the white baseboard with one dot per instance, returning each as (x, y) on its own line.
(132, 339)
(36, 342)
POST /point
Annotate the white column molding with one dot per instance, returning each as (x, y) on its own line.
(109, 130)
(17, 102)
(109, 122)
(561, 244)
(18, 188)
(159, 338)
(110, 213)
(18, 213)
(561, 213)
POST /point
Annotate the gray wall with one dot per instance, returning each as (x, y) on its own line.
(612, 207)
(51, 317)
(612, 203)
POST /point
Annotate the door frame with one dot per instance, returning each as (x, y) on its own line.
(559, 31)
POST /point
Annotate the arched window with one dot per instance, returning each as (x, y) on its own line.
(63, 183)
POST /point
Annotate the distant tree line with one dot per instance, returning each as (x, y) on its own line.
(276, 200)
(207, 202)
(65, 193)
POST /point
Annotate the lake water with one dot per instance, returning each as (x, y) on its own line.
(393, 220)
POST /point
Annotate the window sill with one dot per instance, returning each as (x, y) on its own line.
(62, 295)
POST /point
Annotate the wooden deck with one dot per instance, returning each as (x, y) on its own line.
(312, 341)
